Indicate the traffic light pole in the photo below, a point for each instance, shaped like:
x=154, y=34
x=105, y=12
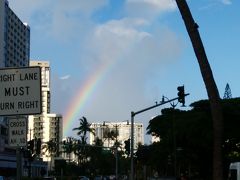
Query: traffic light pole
x=133, y=114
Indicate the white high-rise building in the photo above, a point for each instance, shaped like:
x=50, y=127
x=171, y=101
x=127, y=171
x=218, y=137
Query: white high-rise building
x=123, y=130
x=46, y=126
x=45, y=80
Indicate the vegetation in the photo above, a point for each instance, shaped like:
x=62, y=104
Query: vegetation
x=185, y=146
x=186, y=140
x=83, y=129
x=91, y=158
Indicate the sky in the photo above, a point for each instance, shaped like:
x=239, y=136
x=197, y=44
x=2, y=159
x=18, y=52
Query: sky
x=111, y=57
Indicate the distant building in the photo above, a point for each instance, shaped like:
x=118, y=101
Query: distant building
x=46, y=126
x=123, y=130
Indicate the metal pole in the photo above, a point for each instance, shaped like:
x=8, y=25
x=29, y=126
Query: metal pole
x=116, y=144
x=116, y=163
x=19, y=163
x=132, y=145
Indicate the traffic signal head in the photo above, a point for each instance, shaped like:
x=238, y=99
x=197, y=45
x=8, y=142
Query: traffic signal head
x=127, y=146
x=181, y=95
x=30, y=145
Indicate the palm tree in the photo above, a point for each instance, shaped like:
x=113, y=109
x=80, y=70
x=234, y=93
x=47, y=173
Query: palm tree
x=84, y=127
x=109, y=134
x=68, y=147
x=82, y=130
x=79, y=149
x=51, y=147
x=211, y=87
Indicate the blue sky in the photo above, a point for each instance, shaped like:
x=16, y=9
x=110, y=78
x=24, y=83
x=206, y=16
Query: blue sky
x=147, y=42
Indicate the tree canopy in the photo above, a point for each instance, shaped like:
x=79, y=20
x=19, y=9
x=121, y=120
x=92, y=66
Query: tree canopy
x=187, y=136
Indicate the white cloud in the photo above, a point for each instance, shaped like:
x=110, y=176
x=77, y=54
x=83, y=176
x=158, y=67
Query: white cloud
x=71, y=19
x=159, y=4
x=208, y=6
x=111, y=41
x=60, y=19
x=227, y=2
x=26, y=8
x=149, y=8
x=65, y=77
x=124, y=28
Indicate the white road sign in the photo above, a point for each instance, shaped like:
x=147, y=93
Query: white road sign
x=17, y=133
x=20, y=91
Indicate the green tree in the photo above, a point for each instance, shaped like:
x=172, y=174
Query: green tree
x=193, y=131
x=182, y=133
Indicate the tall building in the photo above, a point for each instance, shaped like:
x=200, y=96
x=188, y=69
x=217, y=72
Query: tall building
x=122, y=131
x=46, y=126
x=14, y=38
x=45, y=80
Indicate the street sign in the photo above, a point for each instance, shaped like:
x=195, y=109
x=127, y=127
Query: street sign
x=20, y=91
x=17, y=132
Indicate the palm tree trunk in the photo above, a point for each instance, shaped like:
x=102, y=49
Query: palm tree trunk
x=212, y=91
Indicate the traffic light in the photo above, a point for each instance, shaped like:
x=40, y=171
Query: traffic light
x=127, y=146
x=30, y=145
x=181, y=95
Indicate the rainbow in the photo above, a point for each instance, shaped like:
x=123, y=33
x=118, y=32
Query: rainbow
x=78, y=102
